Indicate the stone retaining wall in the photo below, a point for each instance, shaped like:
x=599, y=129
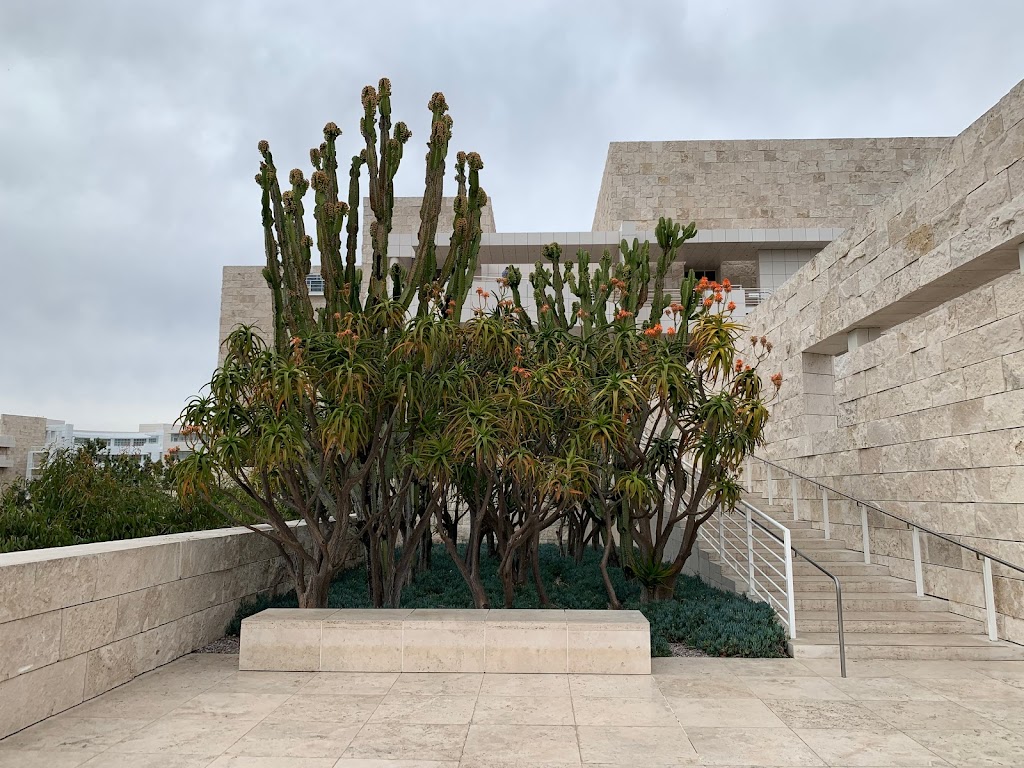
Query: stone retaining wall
x=902, y=350
x=78, y=621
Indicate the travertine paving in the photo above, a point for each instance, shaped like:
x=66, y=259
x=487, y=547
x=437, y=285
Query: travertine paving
x=200, y=712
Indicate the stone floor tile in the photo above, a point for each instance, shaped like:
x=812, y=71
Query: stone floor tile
x=751, y=747
x=525, y=685
x=120, y=760
x=990, y=690
x=524, y=710
x=769, y=668
x=927, y=715
x=694, y=666
x=591, y=710
x=725, y=713
x=350, y=683
x=186, y=735
x=125, y=703
x=973, y=747
x=356, y=762
x=1000, y=670
x=342, y=710
x=263, y=682
x=917, y=669
x=245, y=761
x=424, y=710
x=238, y=706
x=614, y=686
x=637, y=746
x=31, y=758
x=868, y=748
x=295, y=739
x=795, y=688
x=396, y=741
x=439, y=683
x=822, y=713
x=74, y=734
x=885, y=689
x=1008, y=715
x=524, y=744
x=706, y=687
x=855, y=668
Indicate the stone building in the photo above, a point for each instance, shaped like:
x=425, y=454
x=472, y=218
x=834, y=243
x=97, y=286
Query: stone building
x=887, y=273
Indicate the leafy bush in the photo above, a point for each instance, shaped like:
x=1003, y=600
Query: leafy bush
x=716, y=622
x=84, y=496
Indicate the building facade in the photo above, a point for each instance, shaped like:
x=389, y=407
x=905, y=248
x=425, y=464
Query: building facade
x=26, y=441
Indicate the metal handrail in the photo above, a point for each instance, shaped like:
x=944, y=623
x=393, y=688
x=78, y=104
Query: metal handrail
x=839, y=596
x=915, y=528
x=909, y=523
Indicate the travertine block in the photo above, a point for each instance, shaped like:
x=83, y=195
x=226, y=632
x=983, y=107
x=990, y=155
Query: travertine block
x=29, y=643
x=368, y=640
x=444, y=641
x=609, y=642
x=526, y=641
x=282, y=639
x=87, y=626
x=127, y=570
x=29, y=698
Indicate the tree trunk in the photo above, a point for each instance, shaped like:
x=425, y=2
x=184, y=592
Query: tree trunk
x=664, y=590
x=313, y=594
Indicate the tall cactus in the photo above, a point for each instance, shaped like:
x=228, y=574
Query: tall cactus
x=289, y=249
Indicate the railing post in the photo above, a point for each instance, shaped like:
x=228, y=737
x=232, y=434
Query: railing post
x=793, y=493
x=790, y=596
x=768, y=482
x=918, y=571
x=750, y=556
x=721, y=535
x=750, y=474
x=990, y=600
x=865, y=540
x=824, y=512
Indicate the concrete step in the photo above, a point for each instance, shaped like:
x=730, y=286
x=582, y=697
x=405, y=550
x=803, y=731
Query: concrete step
x=868, y=601
x=841, y=569
x=883, y=622
x=825, y=645
x=816, y=583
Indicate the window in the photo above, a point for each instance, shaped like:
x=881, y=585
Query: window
x=153, y=439
x=177, y=438
x=138, y=442
x=122, y=442
x=80, y=441
x=710, y=274
x=315, y=283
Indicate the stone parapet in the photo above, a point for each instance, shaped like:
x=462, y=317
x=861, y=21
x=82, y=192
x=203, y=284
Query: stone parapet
x=78, y=621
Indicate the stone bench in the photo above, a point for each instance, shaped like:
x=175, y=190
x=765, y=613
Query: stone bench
x=427, y=640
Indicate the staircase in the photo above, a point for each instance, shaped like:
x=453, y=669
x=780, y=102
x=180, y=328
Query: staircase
x=883, y=618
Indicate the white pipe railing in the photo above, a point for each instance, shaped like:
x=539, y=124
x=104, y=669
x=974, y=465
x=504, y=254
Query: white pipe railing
x=991, y=614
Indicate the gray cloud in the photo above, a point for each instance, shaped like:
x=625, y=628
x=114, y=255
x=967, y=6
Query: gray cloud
x=128, y=133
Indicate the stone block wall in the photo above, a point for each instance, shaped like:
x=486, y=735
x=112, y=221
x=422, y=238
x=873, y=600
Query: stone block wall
x=755, y=184
x=923, y=414
x=27, y=433
x=78, y=621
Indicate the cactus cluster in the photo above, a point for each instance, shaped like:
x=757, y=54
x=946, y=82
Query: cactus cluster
x=614, y=291
x=289, y=248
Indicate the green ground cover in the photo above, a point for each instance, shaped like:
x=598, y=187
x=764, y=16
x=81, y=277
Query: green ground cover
x=716, y=622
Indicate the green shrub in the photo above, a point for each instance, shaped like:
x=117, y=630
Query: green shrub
x=716, y=622
x=84, y=496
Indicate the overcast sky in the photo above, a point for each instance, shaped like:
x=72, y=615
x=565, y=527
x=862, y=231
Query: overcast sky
x=128, y=136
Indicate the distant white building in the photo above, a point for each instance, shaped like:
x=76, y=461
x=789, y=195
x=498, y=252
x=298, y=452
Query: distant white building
x=152, y=441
